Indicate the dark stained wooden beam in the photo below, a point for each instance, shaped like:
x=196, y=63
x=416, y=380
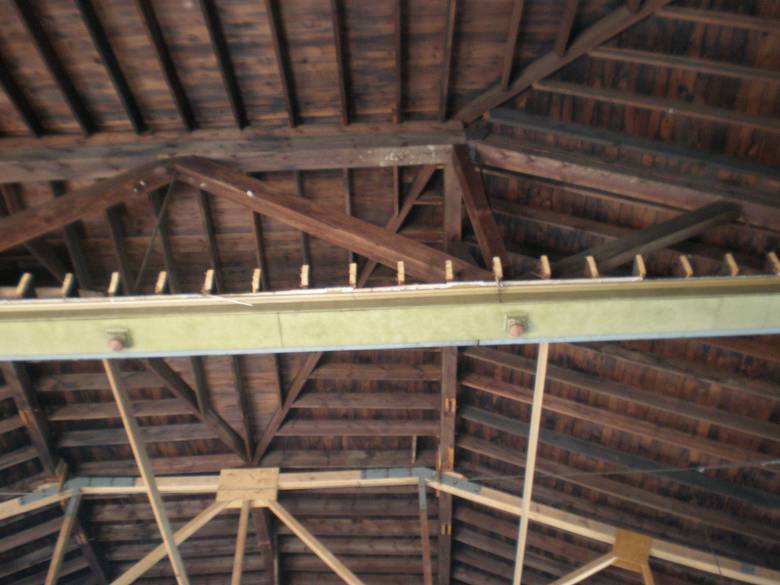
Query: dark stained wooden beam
x=364, y=146
x=685, y=63
x=396, y=222
x=453, y=208
x=565, y=25
x=510, y=46
x=660, y=104
x=170, y=73
x=445, y=459
x=346, y=179
x=262, y=262
x=609, y=389
x=363, y=400
x=39, y=220
x=342, y=63
x=722, y=488
x=657, y=237
x=623, y=179
x=282, y=59
x=300, y=191
x=398, y=60
x=157, y=199
x=51, y=60
x=10, y=204
x=209, y=229
x=268, y=542
x=76, y=252
x=634, y=5
x=225, y=63
x=103, y=45
x=330, y=225
x=296, y=386
x=116, y=230
x=478, y=208
x=711, y=163
x=597, y=34
x=723, y=18
x=179, y=388
x=30, y=411
x=19, y=100
x=448, y=42
x=358, y=428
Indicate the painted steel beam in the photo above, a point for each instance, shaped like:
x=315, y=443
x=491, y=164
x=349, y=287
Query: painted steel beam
x=396, y=317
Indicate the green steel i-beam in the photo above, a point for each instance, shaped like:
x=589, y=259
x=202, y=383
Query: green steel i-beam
x=397, y=317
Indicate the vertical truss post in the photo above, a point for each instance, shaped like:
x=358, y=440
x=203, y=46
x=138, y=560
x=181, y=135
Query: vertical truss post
x=145, y=468
x=446, y=456
x=425, y=536
x=530, y=463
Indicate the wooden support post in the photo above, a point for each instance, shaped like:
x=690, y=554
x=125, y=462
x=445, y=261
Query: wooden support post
x=587, y=570
x=314, y=544
x=238, y=558
x=445, y=459
x=267, y=540
x=425, y=537
x=530, y=464
x=145, y=469
x=69, y=521
x=158, y=553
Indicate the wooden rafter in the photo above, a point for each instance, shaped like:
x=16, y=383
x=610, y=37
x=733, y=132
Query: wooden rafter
x=448, y=41
x=267, y=540
x=510, y=47
x=239, y=553
x=336, y=227
x=38, y=248
x=179, y=388
x=722, y=18
x=224, y=62
x=76, y=252
x=565, y=26
x=170, y=73
x=282, y=59
x=661, y=104
x=478, y=208
x=51, y=60
x=116, y=230
x=19, y=100
x=657, y=237
x=144, y=467
x=598, y=33
x=398, y=61
x=342, y=64
x=585, y=571
x=103, y=45
x=364, y=146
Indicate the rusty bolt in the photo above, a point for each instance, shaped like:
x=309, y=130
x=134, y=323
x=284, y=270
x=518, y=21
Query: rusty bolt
x=517, y=329
x=116, y=344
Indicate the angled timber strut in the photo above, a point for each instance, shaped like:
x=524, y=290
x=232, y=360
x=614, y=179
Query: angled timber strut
x=336, y=227
x=611, y=25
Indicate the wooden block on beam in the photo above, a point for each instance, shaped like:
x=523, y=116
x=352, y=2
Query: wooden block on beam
x=545, y=270
x=640, y=269
x=591, y=269
x=685, y=268
x=208, y=282
x=353, y=274
x=729, y=266
x=305, y=276
x=259, y=486
x=772, y=263
x=401, y=273
x=115, y=285
x=25, y=289
x=257, y=280
x=448, y=273
x=632, y=549
x=161, y=286
x=498, y=269
x=68, y=286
